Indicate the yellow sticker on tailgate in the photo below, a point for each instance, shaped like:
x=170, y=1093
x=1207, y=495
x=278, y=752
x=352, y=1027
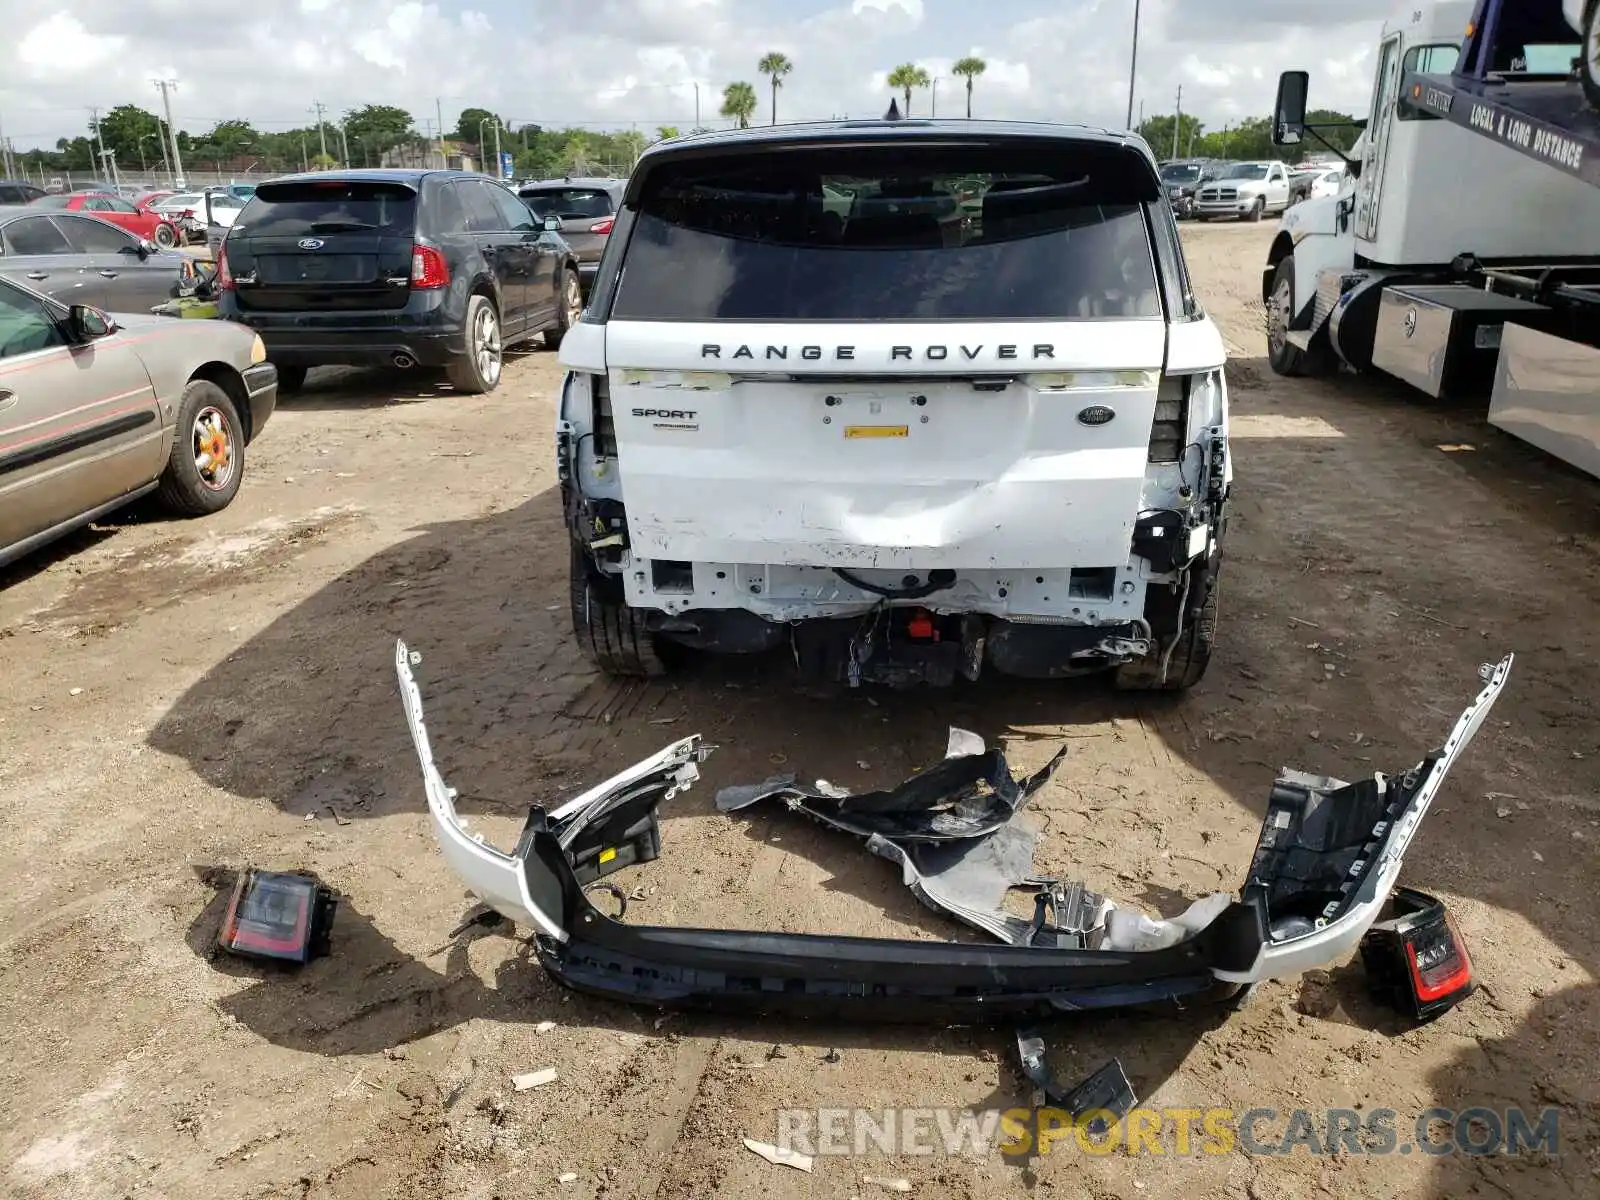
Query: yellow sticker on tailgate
x=877, y=431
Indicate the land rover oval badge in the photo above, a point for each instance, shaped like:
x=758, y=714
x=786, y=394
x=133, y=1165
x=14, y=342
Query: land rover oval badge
x=1096, y=414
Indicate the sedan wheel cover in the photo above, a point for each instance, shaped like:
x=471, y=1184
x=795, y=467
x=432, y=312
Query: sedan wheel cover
x=212, y=440
x=574, y=302
x=486, y=344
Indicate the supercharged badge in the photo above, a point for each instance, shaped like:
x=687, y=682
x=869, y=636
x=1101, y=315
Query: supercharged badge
x=670, y=418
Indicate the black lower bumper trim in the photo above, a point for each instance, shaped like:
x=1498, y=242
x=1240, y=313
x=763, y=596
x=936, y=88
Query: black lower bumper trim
x=883, y=979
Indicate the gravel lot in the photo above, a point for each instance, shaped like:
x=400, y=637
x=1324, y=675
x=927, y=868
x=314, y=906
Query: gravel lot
x=184, y=698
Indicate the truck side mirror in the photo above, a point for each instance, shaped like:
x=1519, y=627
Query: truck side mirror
x=1289, y=112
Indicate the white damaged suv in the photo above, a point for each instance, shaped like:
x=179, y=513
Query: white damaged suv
x=915, y=399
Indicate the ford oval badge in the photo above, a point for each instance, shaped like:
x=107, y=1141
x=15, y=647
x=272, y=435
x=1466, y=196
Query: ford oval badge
x=310, y=243
x=1096, y=414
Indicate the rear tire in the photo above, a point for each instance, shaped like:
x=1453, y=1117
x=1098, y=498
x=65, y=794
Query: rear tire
x=1190, y=657
x=208, y=431
x=476, y=369
x=610, y=633
x=166, y=236
x=1284, y=357
x=569, y=304
x=1589, y=68
x=291, y=379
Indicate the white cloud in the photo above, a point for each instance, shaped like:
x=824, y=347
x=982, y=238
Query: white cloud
x=637, y=61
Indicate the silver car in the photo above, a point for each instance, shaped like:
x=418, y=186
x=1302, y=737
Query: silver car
x=78, y=259
x=587, y=209
x=96, y=411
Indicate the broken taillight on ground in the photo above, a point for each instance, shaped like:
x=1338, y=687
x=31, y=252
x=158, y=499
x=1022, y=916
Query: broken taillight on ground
x=284, y=916
x=1417, y=960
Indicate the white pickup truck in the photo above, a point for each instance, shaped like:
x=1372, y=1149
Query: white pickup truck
x=1247, y=191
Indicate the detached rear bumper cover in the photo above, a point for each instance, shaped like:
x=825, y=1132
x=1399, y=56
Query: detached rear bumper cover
x=1328, y=857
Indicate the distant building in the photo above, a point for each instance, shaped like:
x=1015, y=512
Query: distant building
x=423, y=155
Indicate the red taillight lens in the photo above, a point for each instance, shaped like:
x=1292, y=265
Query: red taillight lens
x=428, y=268
x=1417, y=960
x=603, y=226
x=224, y=276
x=1440, y=965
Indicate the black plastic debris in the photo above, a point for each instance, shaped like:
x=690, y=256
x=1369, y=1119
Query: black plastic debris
x=1104, y=1098
x=282, y=916
x=963, y=796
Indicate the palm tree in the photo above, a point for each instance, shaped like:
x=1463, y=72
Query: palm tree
x=775, y=65
x=739, y=102
x=905, y=77
x=971, y=67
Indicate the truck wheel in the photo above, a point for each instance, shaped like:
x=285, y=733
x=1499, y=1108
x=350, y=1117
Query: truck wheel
x=1589, y=71
x=611, y=634
x=1285, y=357
x=1190, y=657
x=1257, y=210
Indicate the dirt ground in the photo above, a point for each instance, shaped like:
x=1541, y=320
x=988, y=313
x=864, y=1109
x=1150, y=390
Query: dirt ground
x=186, y=698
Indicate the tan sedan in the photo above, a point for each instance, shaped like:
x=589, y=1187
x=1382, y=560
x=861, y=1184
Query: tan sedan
x=96, y=411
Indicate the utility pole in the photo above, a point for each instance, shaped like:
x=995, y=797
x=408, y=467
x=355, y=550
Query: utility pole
x=438, y=111
x=1177, y=122
x=167, y=86
x=100, y=141
x=344, y=140
x=1133, y=66
x=499, y=167
x=305, y=159
x=322, y=131
x=166, y=159
x=5, y=149
x=697, y=105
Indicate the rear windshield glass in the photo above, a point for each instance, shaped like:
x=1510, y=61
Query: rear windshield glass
x=568, y=202
x=328, y=206
x=909, y=233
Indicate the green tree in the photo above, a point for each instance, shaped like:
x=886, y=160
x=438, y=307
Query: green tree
x=775, y=65
x=231, y=137
x=1157, y=131
x=467, y=125
x=739, y=103
x=905, y=77
x=376, y=128
x=121, y=128
x=663, y=132
x=969, y=68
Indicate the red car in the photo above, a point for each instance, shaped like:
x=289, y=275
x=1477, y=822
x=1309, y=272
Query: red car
x=115, y=209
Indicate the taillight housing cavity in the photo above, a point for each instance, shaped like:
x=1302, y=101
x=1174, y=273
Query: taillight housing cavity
x=603, y=226
x=1416, y=960
x=1184, y=402
x=224, y=273
x=603, y=421
x=428, y=268
x=1169, y=433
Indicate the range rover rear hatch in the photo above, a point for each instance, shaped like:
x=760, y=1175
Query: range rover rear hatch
x=897, y=353
x=1328, y=857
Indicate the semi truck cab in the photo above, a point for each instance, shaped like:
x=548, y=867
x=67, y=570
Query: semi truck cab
x=1471, y=208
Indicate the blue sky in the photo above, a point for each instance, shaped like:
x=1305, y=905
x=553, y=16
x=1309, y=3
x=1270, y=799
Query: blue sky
x=622, y=62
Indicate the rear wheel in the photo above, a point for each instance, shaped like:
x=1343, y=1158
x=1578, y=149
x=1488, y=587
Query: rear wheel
x=1285, y=357
x=166, y=236
x=569, y=306
x=1187, y=660
x=207, y=460
x=611, y=634
x=477, y=368
x=1589, y=70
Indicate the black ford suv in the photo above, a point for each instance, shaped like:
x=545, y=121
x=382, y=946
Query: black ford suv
x=396, y=268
